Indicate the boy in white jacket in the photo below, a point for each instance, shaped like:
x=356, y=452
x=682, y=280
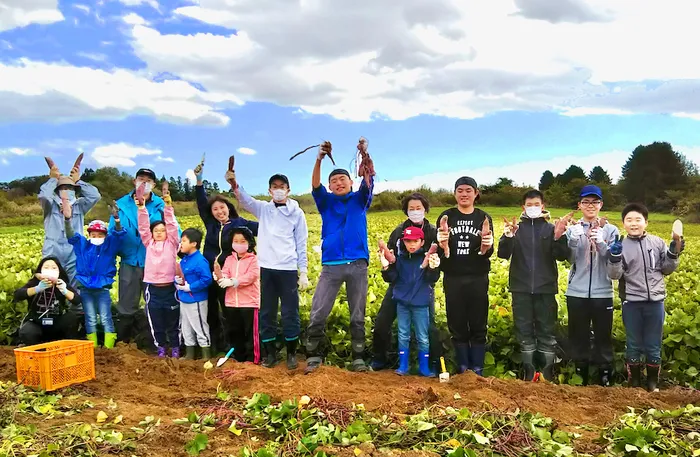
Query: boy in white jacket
x=282, y=237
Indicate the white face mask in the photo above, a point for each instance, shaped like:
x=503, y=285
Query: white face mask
x=279, y=195
x=50, y=274
x=416, y=216
x=97, y=241
x=533, y=212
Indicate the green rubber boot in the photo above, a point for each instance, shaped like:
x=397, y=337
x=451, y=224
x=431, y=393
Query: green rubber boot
x=92, y=337
x=110, y=340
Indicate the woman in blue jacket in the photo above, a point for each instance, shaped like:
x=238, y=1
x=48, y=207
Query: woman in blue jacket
x=220, y=218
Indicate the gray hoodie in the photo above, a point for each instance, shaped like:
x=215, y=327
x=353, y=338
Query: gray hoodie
x=588, y=277
x=645, y=261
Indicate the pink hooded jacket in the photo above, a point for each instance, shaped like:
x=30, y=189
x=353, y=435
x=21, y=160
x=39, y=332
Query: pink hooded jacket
x=247, y=271
x=161, y=256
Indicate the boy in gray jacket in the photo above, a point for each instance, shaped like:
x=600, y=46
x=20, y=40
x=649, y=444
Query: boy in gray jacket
x=640, y=262
x=589, y=295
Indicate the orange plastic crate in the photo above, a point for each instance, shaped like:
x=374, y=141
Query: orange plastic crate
x=55, y=365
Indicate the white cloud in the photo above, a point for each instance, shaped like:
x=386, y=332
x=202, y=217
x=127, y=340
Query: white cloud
x=134, y=19
x=21, y=13
x=247, y=151
x=5, y=161
x=60, y=92
x=525, y=173
x=121, y=154
x=15, y=151
x=165, y=159
x=152, y=3
x=191, y=176
x=445, y=58
x=83, y=8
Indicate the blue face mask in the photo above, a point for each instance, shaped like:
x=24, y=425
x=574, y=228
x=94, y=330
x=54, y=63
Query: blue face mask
x=71, y=195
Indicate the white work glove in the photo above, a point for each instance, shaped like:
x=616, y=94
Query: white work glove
x=442, y=236
x=508, y=231
x=487, y=240
x=433, y=261
x=227, y=282
x=183, y=288
x=178, y=280
x=303, y=282
x=576, y=231
x=383, y=260
x=62, y=287
x=599, y=236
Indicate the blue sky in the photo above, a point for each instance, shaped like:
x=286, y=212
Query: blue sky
x=504, y=88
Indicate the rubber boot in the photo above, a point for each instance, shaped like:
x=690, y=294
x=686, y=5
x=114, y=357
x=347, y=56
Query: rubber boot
x=92, y=337
x=461, y=357
x=548, y=369
x=161, y=352
x=270, y=354
x=175, y=352
x=424, y=365
x=313, y=356
x=605, y=375
x=653, y=371
x=528, y=365
x=292, y=363
x=206, y=352
x=634, y=373
x=477, y=353
x=402, y=370
x=358, y=354
x=110, y=340
x=189, y=352
x=582, y=370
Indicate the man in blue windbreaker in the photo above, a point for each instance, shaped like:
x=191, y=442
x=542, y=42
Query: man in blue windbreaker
x=345, y=258
x=133, y=253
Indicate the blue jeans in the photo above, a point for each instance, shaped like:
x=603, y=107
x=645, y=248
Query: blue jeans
x=644, y=325
x=420, y=318
x=97, y=301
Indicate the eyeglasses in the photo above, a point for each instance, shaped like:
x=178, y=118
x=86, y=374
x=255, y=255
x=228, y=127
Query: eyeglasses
x=590, y=203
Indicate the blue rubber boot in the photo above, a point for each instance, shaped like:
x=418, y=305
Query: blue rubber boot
x=462, y=357
x=477, y=353
x=403, y=362
x=424, y=365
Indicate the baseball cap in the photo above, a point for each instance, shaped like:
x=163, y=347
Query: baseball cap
x=97, y=226
x=339, y=171
x=279, y=177
x=413, y=233
x=147, y=172
x=591, y=190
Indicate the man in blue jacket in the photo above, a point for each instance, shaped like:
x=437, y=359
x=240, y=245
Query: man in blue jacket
x=133, y=253
x=345, y=257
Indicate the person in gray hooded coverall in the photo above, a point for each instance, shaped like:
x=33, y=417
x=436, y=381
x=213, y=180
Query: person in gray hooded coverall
x=55, y=241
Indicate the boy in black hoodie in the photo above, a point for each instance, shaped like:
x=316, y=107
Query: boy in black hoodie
x=534, y=245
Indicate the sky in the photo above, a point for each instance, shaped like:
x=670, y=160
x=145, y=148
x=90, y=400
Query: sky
x=441, y=89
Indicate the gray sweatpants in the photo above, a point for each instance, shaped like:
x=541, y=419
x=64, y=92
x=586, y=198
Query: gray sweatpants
x=130, y=289
x=193, y=324
x=354, y=275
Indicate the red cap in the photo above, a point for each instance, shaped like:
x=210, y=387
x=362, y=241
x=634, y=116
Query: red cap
x=413, y=233
x=97, y=226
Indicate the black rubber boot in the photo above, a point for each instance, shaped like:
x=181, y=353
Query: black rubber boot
x=477, y=353
x=358, y=357
x=206, y=352
x=548, y=369
x=528, y=365
x=653, y=377
x=270, y=354
x=582, y=370
x=292, y=363
x=634, y=373
x=462, y=357
x=605, y=376
x=190, y=352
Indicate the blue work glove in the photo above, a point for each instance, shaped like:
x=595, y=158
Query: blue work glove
x=42, y=286
x=616, y=249
x=673, y=247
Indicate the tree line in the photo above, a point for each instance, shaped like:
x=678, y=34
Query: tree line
x=654, y=174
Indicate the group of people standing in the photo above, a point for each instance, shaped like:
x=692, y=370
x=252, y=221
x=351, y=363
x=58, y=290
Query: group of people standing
x=229, y=297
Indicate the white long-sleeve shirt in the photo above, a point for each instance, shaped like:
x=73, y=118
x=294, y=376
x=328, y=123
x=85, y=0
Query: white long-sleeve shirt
x=282, y=234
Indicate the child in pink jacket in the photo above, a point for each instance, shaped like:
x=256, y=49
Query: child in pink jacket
x=162, y=242
x=241, y=279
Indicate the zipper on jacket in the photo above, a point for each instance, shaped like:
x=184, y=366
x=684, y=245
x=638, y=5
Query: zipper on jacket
x=221, y=249
x=237, y=264
x=590, y=273
x=533, y=256
x=646, y=279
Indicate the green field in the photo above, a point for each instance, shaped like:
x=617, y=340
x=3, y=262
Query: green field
x=21, y=250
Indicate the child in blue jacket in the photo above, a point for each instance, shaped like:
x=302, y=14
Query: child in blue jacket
x=413, y=276
x=96, y=267
x=193, y=294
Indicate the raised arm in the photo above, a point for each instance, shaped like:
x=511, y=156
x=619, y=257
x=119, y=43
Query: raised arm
x=253, y=206
x=89, y=196
x=171, y=227
x=144, y=226
x=202, y=203
x=46, y=194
